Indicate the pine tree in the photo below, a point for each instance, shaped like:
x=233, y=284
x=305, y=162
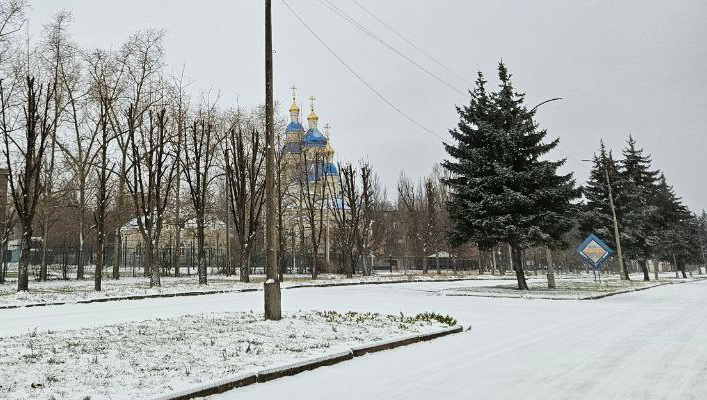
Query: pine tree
x=640, y=186
x=596, y=215
x=502, y=189
x=678, y=239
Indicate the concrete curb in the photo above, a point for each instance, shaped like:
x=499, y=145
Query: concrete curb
x=595, y=297
x=269, y=374
x=185, y=294
x=659, y=283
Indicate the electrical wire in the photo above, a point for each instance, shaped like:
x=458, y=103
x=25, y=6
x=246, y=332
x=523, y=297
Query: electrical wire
x=411, y=43
x=359, y=77
x=338, y=11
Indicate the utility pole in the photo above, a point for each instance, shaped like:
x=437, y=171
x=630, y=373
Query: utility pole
x=273, y=303
x=622, y=272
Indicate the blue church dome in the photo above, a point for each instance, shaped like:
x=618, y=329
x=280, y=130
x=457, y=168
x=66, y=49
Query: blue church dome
x=330, y=170
x=294, y=126
x=314, y=138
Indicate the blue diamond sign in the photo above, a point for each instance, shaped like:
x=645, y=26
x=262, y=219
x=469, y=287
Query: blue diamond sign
x=594, y=251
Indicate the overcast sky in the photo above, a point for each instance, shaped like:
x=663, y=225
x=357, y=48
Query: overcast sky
x=636, y=67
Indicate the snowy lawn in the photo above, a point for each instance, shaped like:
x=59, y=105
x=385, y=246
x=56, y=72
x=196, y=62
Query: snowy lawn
x=566, y=289
x=60, y=291
x=141, y=359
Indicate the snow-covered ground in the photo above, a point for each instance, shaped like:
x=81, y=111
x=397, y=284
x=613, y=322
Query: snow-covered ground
x=641, y=345
x=136, y=360
x=61, y=291
x=565, y=288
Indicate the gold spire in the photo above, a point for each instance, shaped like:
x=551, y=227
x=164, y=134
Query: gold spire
x=293, y=107
x=312, y=115
x=328, y=150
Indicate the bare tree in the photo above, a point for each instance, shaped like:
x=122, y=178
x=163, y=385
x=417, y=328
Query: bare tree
x=198, y=162
x=104, y=169
x=80, y=149
x=26, y=187
x=410, y=201
x=136, y=80
x=430, y=236
x=151, y=171
x=57, y=54
x=179, y=110
x=8, y=219
x=247, y=187
x=345, y=207
x=312, y=187
x=105, y=75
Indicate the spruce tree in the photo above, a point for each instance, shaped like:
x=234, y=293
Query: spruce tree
x=640, y=186
x=595, y=215
x=678, y=239
x=502, y=187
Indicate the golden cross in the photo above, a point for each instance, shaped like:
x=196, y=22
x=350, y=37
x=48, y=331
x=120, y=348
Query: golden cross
x=294, y=91
x=311, y=102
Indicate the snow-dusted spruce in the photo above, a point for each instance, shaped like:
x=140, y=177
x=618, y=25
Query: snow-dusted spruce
x=503, y=188
x=595, y=215
x=142, y=359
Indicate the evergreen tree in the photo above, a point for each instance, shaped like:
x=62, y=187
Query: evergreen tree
x=678, y=238
x=595, y=215
x=638, y=238
x=502, y=189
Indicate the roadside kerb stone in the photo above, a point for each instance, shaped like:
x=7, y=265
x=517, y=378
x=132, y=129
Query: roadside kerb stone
x=269, y=374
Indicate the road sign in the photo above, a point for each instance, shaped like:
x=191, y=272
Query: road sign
x=594, y=251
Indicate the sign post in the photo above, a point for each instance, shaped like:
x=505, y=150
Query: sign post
x=595, y=253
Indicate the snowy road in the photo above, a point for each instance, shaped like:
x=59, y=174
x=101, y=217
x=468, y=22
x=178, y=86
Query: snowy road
x=645, y=345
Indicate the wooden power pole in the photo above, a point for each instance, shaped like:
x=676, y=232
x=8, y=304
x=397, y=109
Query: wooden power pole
x=273, y=306
x=622, y=272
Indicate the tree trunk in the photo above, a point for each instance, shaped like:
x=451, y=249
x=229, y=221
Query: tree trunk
x=117, y=251
x=655, y=268
x=152, y=264
x=493, y=261
x=45, y=232
x=201, y=252
x=315, y=273
x=439, y=271
x=244, y=256
x=518, y=267
x=98, y=274
x=23, y=267
x=550, y=270
x=424, y=262
x=644, y=268
x=625, y=271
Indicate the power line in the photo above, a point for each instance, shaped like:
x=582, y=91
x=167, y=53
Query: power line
x=359, y=77
x=411, y=43
x=338, y=11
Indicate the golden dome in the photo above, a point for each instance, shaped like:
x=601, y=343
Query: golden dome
x=312, y=116
x=293, y=107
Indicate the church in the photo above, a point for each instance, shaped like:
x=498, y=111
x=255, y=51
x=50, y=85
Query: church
x=312, y=190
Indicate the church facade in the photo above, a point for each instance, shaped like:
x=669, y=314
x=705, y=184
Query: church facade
x=312, y=189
